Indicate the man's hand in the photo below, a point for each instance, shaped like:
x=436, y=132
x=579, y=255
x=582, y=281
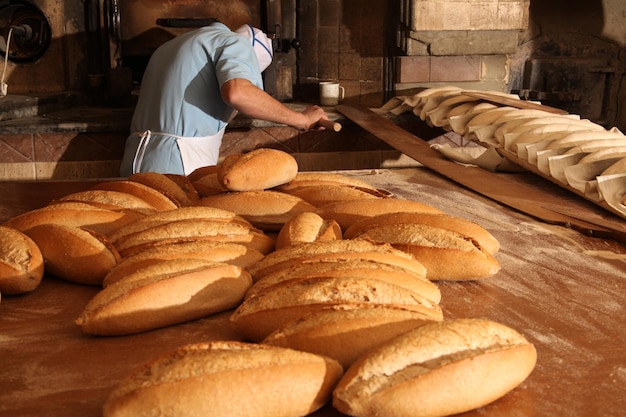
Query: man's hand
x=313, y=115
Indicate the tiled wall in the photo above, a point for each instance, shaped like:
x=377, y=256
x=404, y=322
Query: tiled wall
x=344, y=40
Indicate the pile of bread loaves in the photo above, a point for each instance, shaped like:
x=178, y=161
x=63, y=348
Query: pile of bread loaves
x=576, y=153
x=331, y=283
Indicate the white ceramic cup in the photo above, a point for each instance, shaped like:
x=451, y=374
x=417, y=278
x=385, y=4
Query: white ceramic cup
x=331, y=93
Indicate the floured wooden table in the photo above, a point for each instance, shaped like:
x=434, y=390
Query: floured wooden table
x=565, y=291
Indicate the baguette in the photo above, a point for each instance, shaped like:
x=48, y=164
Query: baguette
x=267, y=210
x=232, y=253
x=21, y=262
x=437, y=369
x=172, y=292
x=271, y=309
x=226, y=378
x=165, y=185
x=348, y=212
x=345, y=332
x=335, y=250
x=153, y=197
x=183, y=213
x=74, y=254
x=257, y=170
x=194, y=229
x=186, y=185
x=355, y=267
x=323, y=195
x=111, y=200
x=447, y=255
x=304, y=179
x=307, y=227
x=439, y=220
x=74, y=214
x=208, y=184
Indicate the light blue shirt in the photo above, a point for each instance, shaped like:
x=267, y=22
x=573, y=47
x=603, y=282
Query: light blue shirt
x=181, y=94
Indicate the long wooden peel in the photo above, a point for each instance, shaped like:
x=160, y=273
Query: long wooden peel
x=524, y=198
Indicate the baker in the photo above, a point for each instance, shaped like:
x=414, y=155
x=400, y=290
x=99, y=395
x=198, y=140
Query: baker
x=193, y=86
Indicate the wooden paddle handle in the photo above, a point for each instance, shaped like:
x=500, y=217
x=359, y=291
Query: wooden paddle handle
x=329, y=124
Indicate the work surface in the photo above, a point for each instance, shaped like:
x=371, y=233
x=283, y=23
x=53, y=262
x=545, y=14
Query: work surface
x=566, y=292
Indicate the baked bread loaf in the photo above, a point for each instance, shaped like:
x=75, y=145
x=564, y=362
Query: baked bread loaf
x=437, y=369
x=171, y=292
x=257, y=170
x=447, y=255
x=165, y=185
x=271, y=309
x=232, y=253
x=439, y=220
x=305, y=179
x=194, y=229
x=111, y=200
x=348, y=212
x=21, y=262
x=74, y=254
x=355, y=267
x=206, y=182
x=226, y=378
x=183, y=213
x=307, y=227
x=186, y=185
x=323, y=195
x=345, y=332
x=100, y=220
x=266, y=209
x=151, y=196
x=335, y=250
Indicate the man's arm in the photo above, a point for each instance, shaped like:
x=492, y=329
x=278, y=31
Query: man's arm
x=250, y=100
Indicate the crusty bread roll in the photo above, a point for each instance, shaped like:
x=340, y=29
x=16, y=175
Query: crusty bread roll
x=439, y=220
x=183, y=213
x=271, y=309
x=75, y=214
x=348, y=212
x=232, y=253
x=21, y=262
x=335, y=250
x=354, y=267
x=267, y=210
x=323, y=194
x=437, y=369
x=194, y=229
x=226, y=378
x=186, y=185
x=153, y=197
x=205, y=181
x=111, y=200
x=447, y=255
x=304, y=179
x=307, y=227
x=256, y=170
x=346, y=331
x=171, y=292
x=165, y=185
x=74, y=254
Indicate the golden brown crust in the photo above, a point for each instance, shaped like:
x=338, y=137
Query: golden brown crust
x=304, y=179
x=153, y=197
x=370, y=269
x=164, y=185
x=447, y=255
x=348, y=212
x=172, y=292
x=259, y=169
x=437, y=369
x=209, y=379
x=267, y=210
x=335, y=250
x=439, y=220
x=324, y=194
x=232, y=253
x=307, y=227
x=75, y=254
x=110, y=199
x=21, y=262
x=268, y=310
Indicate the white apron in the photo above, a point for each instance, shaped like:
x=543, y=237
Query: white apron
x=195, y=152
